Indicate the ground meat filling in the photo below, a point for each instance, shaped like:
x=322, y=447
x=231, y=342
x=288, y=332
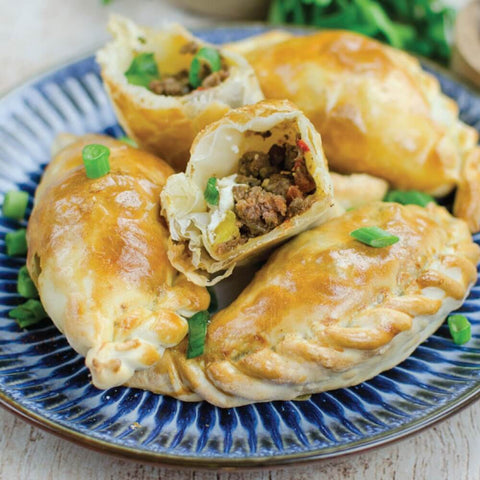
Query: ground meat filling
x=275, y=186
x=178, y=84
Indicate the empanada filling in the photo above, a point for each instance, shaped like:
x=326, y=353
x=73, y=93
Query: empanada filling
x=269, y=188
x=204, y=68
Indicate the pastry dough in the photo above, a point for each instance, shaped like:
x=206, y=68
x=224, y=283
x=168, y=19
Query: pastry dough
x=378, y=112
x=167, y=125
x=327, y=311
x=198, y=247
x=352, y=191
x=97, y=254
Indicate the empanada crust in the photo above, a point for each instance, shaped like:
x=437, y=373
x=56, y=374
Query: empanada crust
x=327, y=311
x=167, y=125
x=98, y=255
x=378, y=112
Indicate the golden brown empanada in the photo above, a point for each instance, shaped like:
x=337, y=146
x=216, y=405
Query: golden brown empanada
x=378, y=112
x=271, y=182
x=97, y=252
x=327, y=311
x=167, y=124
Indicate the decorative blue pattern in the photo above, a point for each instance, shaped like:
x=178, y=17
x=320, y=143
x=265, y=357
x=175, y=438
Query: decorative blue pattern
x=42, y=377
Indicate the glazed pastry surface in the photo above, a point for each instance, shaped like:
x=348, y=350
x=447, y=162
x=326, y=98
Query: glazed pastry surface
x=97, y=252
x=327, y=311
x=378, y=112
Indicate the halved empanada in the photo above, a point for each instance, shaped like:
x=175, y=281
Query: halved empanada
x=327, y=311
x=166, y=123
x=97, y=252
x=378, y=112
x=265, y=167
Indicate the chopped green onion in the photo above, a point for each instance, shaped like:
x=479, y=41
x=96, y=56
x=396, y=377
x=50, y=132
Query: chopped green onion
x=128, y=141
x=15, y=204
x=374, y=237
x=25, y=286
x=211, y=194
x=409, y=197
x=197, y=330
x=207, y=55
x=28, y=313
x=95, y=159
x=142, y=70
x=16, y=242
x=213, y=307
x=460, y=329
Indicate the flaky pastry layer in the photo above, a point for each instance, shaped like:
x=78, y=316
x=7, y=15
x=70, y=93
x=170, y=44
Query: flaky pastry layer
x=216, y=152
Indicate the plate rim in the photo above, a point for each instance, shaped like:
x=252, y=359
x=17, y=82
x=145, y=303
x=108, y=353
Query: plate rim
x=189, y=462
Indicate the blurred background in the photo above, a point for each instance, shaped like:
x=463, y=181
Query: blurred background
x=44, y=33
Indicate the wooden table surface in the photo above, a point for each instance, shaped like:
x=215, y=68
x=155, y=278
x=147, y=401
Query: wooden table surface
x=39, y=34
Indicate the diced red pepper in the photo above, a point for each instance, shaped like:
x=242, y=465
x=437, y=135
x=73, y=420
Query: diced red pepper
x=303, y=146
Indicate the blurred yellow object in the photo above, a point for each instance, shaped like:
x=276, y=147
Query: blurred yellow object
x=466, y=49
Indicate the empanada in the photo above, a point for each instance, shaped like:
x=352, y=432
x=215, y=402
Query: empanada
x=166, y=122
x=265, y=166
x=97, y=252
x=327, y=311
x=378, y=112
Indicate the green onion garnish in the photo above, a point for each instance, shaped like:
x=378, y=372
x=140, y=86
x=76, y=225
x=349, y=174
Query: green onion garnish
x=197, y=330
x=409, y=197
x=28, y=313
x=95, y=159
x=374, y=237
x=460, y=329
x=142, y=70
x=211, y=194
x=15, y=204
x=213, y=307
x=16, y=242
x=128, y=141
x=206, y=55
x=25, y=286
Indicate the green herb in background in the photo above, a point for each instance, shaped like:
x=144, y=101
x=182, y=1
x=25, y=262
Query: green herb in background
x=418, y=26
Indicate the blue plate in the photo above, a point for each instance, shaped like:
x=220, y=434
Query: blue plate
x=45, y=381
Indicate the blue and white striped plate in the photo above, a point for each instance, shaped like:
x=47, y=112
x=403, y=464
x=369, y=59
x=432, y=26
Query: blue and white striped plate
x=45, y=381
